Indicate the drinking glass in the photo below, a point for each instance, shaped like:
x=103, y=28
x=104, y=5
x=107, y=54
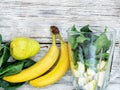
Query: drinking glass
x=91, y=54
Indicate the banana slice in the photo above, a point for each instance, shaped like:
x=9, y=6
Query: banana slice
x=102, y=65
x=82, y=81
x=100, y=77
x=91, y=85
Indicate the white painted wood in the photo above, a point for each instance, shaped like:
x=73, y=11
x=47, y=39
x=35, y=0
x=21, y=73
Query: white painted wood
x=32, y=18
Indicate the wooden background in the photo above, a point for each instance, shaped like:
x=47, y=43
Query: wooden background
x=32, y=18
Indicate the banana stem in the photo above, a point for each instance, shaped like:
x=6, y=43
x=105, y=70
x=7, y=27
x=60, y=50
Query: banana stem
x=61, y=40
x=53, y=39
x=56, y=32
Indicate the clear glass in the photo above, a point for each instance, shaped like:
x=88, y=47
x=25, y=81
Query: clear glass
x=91, y=56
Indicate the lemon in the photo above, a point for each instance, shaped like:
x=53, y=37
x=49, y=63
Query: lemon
x=22, y=48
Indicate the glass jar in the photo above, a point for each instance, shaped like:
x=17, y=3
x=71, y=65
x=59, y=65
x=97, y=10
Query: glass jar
x=91, y=52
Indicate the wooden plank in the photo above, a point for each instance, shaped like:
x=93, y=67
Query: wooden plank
x=32, y=18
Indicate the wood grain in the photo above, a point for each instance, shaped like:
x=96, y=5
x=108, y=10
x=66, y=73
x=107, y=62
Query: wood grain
x=32, y=18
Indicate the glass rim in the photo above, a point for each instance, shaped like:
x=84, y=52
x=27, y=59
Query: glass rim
x=99, y=32
x=94, y=30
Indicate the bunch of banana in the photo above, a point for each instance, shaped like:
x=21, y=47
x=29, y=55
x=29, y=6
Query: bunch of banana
x=36, y=72
x=39, y=68
x=59, y=70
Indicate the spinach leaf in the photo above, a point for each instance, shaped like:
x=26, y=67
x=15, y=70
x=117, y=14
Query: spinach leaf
x=72, y=38
x=11, y=69
x=75, y=56
x=73, y=43
x=85, y=29
x=91, y=63
x=102, y=43
x=86, y=49
x=73, y=29
x=81, y=38
x=86, y=46
x=89, y=51
x=1, y=50
x=15, y=67
x=28, y=62
x=80, y=54
x=5, y=65
x=9, y=86
x=0, y=39
x=76, y=41
x=103, y=56
x=5, y=54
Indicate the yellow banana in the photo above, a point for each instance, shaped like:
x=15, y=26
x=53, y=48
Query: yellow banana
x=71, y=58
x=58, y=71
x=43, y=65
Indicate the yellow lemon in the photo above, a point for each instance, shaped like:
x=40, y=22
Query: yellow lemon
x=22, y=48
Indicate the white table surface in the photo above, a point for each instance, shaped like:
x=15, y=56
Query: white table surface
x=32, y=18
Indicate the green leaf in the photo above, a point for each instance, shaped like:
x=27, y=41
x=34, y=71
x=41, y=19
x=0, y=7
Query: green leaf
x=11, y=69
x=73, y=28
x=105, y=29
x=0, y=39
x=89, y=55
x=80, y=54
x=72, y=40
x=85, y=29
x=89, y=51
x=91, y=63
x=3, y=83
x=85, y=48
x=9, y=86
x=1, y=50
x=5, y=65
x=75, y=65
x=102, y=43
x=28, y=62
x=75, y=56
x=81, y=39
x=103, y=56
x=5, y=55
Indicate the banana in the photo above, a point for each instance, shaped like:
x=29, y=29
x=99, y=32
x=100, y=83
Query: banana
x=43, y=65
x=57, y=72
